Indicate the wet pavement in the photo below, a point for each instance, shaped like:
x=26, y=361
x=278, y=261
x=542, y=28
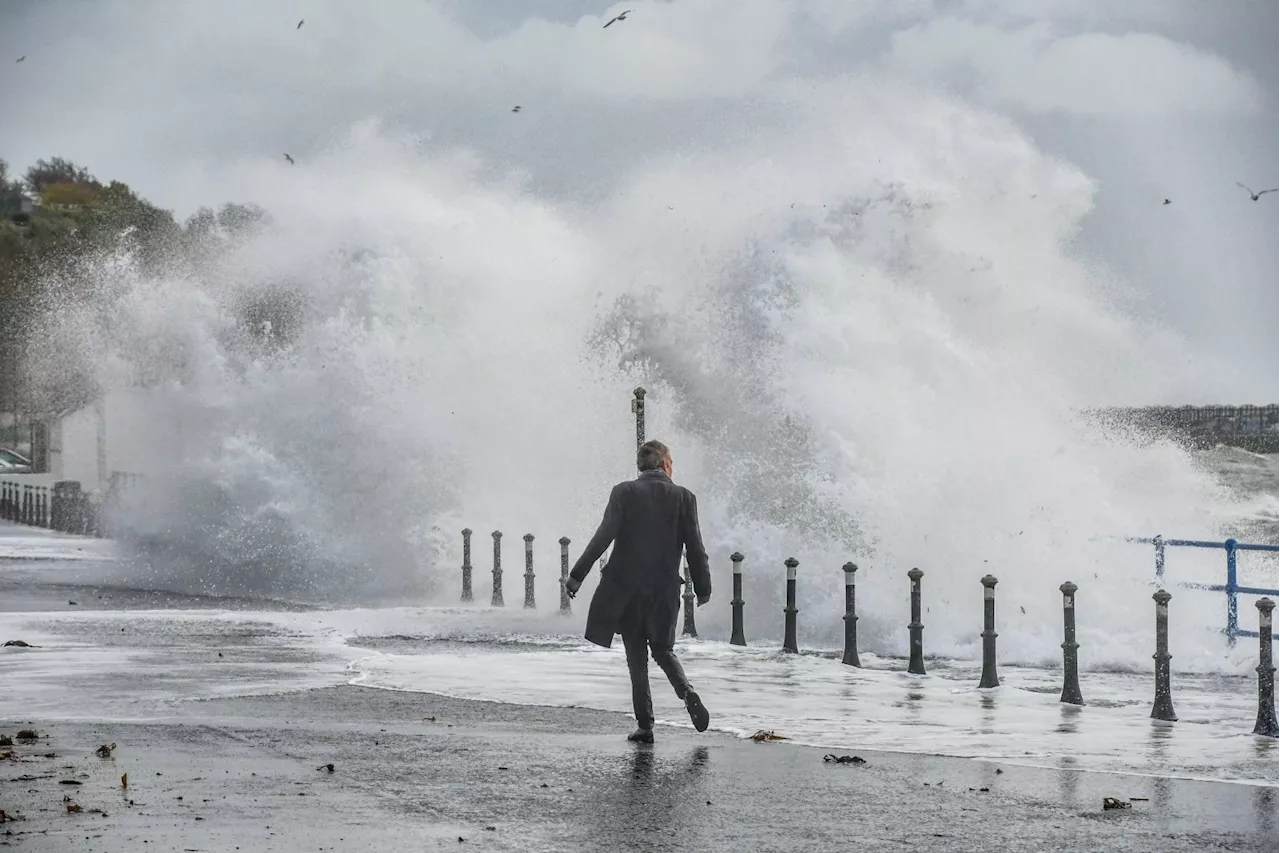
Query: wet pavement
x=225, y=723
x=246, y=773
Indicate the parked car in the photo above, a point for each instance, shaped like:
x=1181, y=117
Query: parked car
x=13, y=462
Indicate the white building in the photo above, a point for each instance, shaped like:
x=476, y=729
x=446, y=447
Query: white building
x=123, y=431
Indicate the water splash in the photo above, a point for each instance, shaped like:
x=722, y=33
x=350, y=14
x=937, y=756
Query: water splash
x=866, y=339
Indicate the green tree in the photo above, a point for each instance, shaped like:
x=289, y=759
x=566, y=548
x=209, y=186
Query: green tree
x=56, y=170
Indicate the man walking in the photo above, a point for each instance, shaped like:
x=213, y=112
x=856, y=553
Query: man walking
x=649, y=520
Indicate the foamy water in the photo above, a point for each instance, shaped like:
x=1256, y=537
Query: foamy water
x=132, y=665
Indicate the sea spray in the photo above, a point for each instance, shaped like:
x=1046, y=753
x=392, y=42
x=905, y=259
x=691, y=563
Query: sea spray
x=866, y=337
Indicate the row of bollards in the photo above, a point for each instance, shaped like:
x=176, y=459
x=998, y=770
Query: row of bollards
x=1162, y=708
x=530, y=602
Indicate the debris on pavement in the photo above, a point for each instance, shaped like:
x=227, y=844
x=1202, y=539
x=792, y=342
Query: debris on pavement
x=767, y=735
x=1114, y=803
x=105, y=750
x=844, y=759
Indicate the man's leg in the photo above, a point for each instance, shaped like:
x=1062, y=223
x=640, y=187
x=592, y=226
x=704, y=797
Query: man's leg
x=633, y=641
x=665, y=657
x=662, y=638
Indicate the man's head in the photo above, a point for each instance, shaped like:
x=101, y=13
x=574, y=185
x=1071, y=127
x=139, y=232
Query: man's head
x=654, y=456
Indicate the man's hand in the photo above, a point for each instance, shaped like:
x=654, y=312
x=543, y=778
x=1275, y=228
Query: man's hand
x=571, y=587
x=703, y=599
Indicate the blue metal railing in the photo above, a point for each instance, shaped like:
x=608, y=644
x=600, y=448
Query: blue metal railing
x=1232, y=587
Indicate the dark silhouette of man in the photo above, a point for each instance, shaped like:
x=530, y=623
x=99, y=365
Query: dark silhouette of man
x=649, y=520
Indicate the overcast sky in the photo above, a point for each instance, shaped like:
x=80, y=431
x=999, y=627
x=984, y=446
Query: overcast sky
x=1153, y=99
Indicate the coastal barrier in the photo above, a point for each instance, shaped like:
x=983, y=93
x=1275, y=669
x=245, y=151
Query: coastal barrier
x=1162, y=708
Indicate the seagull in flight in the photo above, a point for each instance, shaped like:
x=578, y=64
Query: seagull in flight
x=300, y=23
x=516, y=108
x=1167, y=201
x=290, y=159
x=619, y=17
x=1253, y=195
x=22, y=58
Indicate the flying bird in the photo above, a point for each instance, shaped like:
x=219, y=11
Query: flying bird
x=1253, y=195
x=22, y=58
x=620, y=17
x=516, y=108
x=300, y=23
x=290, y=159
x=1166, y=201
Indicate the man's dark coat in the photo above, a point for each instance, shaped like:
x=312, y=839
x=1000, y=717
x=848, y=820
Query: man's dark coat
x=649, y=520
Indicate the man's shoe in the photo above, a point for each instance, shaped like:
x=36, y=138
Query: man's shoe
x=641, y=736
x=697, y=711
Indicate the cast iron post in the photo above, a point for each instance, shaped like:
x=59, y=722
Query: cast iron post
x=989, y=677
x=1266, y=724
x=737, y=637
x=789, y=637
x=916, y=628
x=565, y=606
x=466, y=564
x=690, y=627
x=529, y=603
x=1162, y=709
x=850, y=618
x=1070, y=648
x=637, y=406
x=497, y=569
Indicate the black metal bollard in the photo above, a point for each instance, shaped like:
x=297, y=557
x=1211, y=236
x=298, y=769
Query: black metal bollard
x=850, y=618
x=637, y=406
x=529, y=603
x=989, y=677
x=497, y=569
x=690, y=626
x=1162, y=709
x=789, y=636
x=467, y=594
x=1266, y=725
x=565, y=606
x=915, y=665
x=737, y=637
x=1070, y=648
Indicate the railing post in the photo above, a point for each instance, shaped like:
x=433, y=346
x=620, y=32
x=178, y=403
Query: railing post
x=1070, y=648
x=989, y=677
x=26, y=504
x=1266, y=725
x=637, y=406
x=1159, y=543
x=690, y=627
x=1162, y=709
x=529, y=602
x=497, y=569
x=1233, y=616
x=916, y=628
x=789, y=643
x=565, y=606
x=850, y=618
x=467, y=594
x=4, y=500
x=737, y=637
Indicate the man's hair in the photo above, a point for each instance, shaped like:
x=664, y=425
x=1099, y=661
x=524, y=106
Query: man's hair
x=651, y=455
